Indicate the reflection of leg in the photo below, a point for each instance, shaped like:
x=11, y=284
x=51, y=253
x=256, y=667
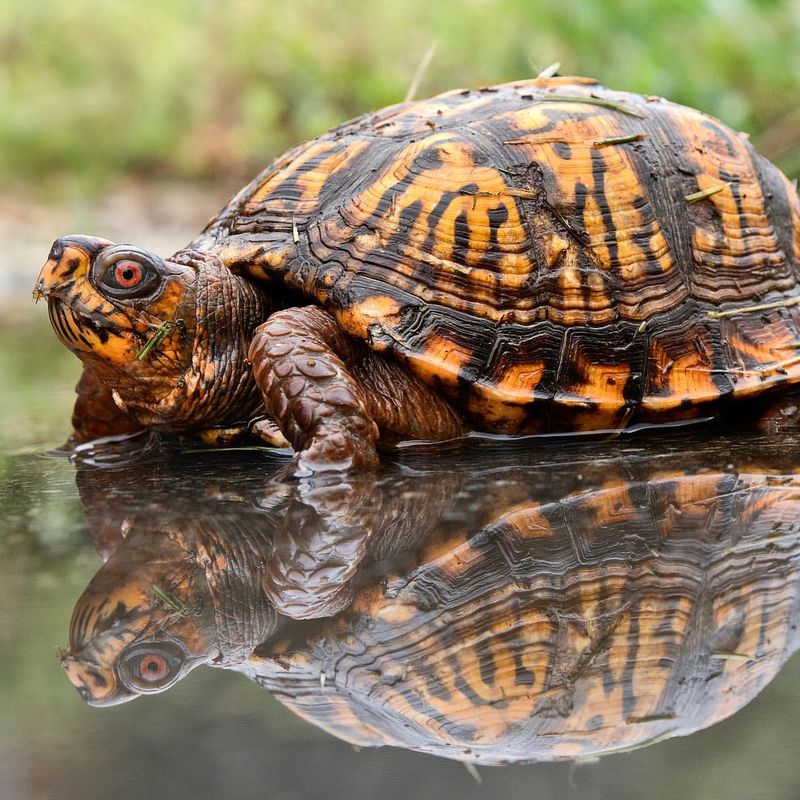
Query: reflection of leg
x=319, y=548
x=96, y=414
x=337, y=534
x=333, y=397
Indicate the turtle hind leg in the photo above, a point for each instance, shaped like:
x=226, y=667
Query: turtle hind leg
x=334, y=398
x=95, y=414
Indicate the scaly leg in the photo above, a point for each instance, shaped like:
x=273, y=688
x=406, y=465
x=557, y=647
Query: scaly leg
x=333, y=397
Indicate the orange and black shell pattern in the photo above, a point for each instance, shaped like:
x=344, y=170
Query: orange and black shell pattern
x=549, y=254
x=476, y=608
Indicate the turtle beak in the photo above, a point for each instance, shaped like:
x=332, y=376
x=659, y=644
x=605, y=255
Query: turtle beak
x=70, y=259
x=97, y=685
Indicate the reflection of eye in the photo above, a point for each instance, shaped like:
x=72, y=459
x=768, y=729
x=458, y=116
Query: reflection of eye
x=126, y=272
x=151, y=666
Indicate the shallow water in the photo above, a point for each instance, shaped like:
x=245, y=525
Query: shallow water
x=594, y=600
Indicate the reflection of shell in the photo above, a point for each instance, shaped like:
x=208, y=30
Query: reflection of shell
x=603, y=621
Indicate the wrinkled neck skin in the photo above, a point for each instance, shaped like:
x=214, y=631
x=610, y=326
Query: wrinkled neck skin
x=209, y=382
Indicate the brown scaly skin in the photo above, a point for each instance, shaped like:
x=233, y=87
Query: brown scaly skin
x=333, y=397
x=96, y=415
x=543, y=256
x=200, y=373
x=197, y=376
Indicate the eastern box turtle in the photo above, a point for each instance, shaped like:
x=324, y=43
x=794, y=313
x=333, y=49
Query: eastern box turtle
x=541, y=256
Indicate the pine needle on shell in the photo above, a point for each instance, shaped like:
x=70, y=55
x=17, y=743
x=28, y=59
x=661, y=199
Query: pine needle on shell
x=593, y=101
x=696, y=196
x=634, y=137
x=729, y=312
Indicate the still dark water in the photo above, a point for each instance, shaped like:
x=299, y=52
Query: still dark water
x=622, y=612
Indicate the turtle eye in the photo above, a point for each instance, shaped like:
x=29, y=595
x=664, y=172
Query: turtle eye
x=151, y=667
x=128, y=274
x=124, y=272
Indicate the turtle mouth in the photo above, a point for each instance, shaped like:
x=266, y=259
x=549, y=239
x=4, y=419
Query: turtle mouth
x=72, y=325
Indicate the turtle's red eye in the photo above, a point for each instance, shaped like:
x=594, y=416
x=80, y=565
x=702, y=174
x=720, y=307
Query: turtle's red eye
x=153, y=667
x=128, y=274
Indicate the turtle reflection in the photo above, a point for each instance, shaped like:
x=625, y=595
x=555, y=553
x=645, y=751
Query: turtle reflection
x=487, y=612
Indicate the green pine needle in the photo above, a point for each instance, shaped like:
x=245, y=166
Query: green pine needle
x=160, y=333
x=594, y=101
x=693, y=198
x=634, y=137
x=170, y=600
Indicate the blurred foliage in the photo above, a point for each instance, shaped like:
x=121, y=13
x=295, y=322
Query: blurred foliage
x=93, y=89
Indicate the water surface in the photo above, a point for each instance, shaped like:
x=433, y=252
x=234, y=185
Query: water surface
x=529, y=603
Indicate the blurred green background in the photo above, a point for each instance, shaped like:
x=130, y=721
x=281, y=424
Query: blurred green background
x=95, y=89
x=136, y=119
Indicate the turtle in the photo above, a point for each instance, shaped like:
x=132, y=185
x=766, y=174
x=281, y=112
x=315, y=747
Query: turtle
x=489, y=612
x=536, y=257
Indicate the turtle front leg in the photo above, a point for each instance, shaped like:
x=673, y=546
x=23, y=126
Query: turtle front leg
x=95, y=414
x=334, y=398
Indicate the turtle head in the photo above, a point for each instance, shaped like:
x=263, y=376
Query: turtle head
x=164, y=335
x=139, y=627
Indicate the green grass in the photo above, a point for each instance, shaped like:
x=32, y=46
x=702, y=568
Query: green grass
x=94, y=89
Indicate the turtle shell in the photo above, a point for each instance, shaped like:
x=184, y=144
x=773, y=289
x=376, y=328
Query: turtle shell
x=547, y=253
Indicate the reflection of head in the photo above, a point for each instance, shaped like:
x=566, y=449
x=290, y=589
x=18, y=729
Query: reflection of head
x=197, y=571
x=151, y=329
x=504, y=615
x=155, y=611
